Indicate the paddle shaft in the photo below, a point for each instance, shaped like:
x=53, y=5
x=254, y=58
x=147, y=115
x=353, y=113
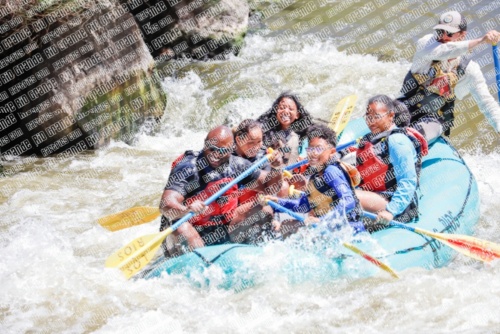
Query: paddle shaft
x=281, y=208
x=292, y=214
x=353, y=248
x=303, y=162
x=146, y=248
x=397, y=224
x=475, y=248
x=496, y=60
x=212, y=198
x=393, y=223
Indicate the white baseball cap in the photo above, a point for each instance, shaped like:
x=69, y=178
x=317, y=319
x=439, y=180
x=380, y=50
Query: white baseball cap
x=452, y=22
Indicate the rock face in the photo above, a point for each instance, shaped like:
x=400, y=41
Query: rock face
x=198, y=29
x=73, y=76
x=75, y=73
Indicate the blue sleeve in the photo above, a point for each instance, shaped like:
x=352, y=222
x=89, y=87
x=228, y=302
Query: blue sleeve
x=296, y=205
x=403, y=156
x=336, y=179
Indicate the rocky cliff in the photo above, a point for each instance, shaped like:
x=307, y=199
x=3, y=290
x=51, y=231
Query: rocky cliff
x=74, y=74
x=199, y=29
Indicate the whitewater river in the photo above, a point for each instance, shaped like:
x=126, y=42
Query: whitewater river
x=52, y=273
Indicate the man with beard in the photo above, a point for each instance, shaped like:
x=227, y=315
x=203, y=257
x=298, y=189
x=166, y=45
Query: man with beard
x=441, y=72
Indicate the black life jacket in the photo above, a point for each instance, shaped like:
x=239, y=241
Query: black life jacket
x=288, y=138
x=322, y=198
x=433, y=94
x=377, y=172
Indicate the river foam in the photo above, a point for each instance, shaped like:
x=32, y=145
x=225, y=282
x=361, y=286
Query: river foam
x=53, y=251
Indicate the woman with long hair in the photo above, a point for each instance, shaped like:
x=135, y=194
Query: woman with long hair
x=285, y=124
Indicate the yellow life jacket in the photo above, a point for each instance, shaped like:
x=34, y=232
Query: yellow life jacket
x=322, y=198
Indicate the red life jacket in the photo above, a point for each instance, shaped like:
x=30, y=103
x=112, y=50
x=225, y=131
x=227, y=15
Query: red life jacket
x=176, y=161
x=218, y=211
x=246, y=195
x=372, y=159
x=301, y=169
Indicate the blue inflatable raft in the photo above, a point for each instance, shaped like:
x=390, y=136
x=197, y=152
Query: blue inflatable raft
x=448, y=203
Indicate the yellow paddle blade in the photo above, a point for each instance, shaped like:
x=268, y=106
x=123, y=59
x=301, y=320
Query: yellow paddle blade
x=118, y=257
x=292, y=192
x=475, y=248
x=342, y=113
x=370, y=258
x=131, y=258
x=132, y=217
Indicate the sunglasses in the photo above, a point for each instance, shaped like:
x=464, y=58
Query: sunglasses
x=441, y=32
x=374, y=117
x=316, y=149
x=220, y=150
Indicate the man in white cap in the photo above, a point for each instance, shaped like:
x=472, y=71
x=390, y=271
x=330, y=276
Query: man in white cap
x=441, y=72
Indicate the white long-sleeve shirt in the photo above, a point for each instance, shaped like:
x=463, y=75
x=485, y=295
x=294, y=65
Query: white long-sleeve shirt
x=473, y=81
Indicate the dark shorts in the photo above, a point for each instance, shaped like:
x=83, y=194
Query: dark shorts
x=431, y=128
x=211, y=235
x=253, y=231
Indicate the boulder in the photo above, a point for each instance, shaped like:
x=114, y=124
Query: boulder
x=197, y=29
x=73, y=75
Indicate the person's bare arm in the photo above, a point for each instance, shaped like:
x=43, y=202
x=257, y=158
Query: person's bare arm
x=491, y=37
x=172, y=207
x=268, y=182
x=241, y=212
